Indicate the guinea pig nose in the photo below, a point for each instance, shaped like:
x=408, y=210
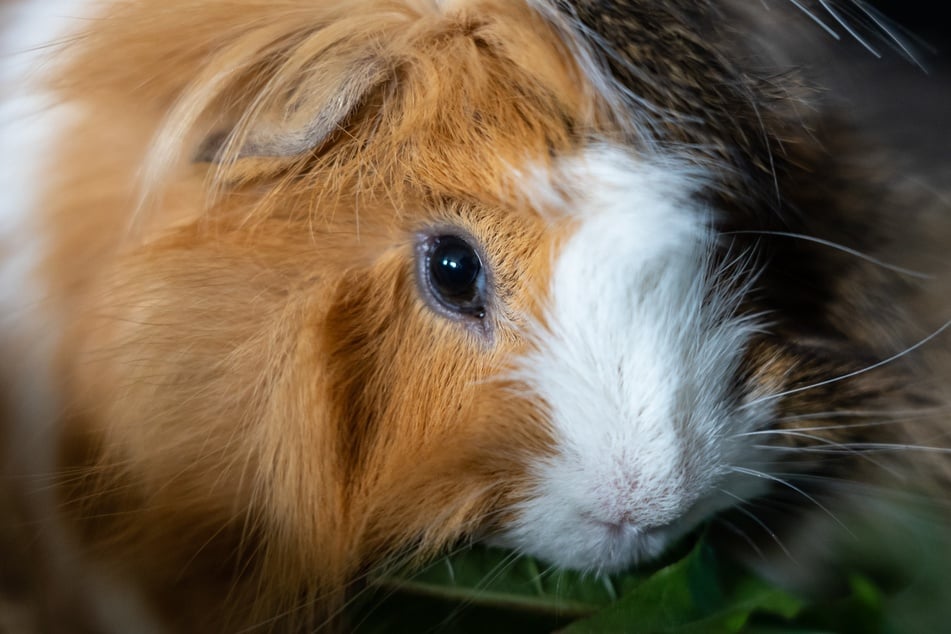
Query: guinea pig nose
x=619, y=523
x=617, y=495
x=615, y=525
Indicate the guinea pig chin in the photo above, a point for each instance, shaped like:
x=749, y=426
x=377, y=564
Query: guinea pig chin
x=637, y=361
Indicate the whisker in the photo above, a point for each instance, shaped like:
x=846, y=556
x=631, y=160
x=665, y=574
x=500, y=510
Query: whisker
x=500, y=569
x=880, y=22
x=828, y=445
x=844, y=426
x=838, y=247
x=769, y=150
x=790, y=485
x=863, y=446
x=815, y=18
x=898, y=415
x=901, y=495
x=733, y=528
x=855, y=373
x=741, y=508
x=845, y=25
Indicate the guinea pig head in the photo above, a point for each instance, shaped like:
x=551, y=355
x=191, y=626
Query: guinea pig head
x=453, y=280
x=305, y=357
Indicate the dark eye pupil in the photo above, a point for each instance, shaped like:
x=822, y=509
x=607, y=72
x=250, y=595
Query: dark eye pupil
x=455, y=274
x=455, y=268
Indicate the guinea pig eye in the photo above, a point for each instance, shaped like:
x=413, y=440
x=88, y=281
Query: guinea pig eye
x=455, y=276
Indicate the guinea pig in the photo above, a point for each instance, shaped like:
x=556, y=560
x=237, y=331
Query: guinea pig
x=294, y=289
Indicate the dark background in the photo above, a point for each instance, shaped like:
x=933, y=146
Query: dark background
x=926, y=15
x=901, y=101
x=925, y=18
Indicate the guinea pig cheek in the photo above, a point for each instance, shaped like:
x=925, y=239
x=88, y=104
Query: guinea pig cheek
x=636, y=361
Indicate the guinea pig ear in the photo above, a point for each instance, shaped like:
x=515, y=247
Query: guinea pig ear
x=289, y=122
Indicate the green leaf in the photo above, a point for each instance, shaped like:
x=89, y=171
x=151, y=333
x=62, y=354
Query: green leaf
x=694, y=594
x=894, y=586
x=491, y=577
x=486, y=588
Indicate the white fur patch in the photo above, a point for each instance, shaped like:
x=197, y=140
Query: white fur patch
x=636, y=365
x=30, y=125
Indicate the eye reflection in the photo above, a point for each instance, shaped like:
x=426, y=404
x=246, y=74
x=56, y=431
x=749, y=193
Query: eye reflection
x=456, y=276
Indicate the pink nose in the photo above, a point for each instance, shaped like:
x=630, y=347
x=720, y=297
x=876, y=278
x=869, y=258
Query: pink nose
x=622, y=519
x=626, y=503
x=618, y=500
x=614, y=522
